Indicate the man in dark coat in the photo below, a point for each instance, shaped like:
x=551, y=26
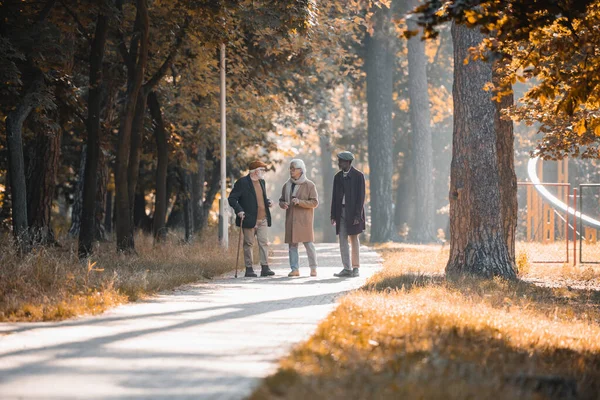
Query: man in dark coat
x=249, y=200
x=347, y=212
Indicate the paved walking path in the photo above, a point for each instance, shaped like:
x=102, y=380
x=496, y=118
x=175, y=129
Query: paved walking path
x=204, y=341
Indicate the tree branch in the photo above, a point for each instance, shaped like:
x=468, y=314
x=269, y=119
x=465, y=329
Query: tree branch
x=76, y=19
x=169, y=60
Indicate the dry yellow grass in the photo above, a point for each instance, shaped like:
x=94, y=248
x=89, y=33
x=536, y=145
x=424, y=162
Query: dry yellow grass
x=411, y=334
x=51, y=284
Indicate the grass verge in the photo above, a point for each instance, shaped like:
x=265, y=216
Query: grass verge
x=52, y=284
x=410, y=333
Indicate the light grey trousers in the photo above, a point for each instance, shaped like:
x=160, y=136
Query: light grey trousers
x=345, y=248
x=263, y=243
x=311, y=252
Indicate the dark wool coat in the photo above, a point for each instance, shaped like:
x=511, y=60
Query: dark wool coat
x=243, y=198
x=354, y=186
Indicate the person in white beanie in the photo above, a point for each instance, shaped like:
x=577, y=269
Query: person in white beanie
x=299, y=199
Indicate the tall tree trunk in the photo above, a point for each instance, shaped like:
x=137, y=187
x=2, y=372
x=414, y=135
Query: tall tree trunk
x=404, y=213
x=198, y=179
x=87, y=232
x=78, y=197
x=508, y=179
x=477, y=240
x=123, y=217
x=423, y=230
x=108, y=212
x=101, y=198
x=327, y=174
x=137, y=130
x=380, y=66
x=16, y=162
x=162, y=148
x=188, y=215
x=43, y=169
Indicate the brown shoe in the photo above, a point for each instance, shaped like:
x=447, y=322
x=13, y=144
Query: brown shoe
x=294, y=272
x=313, y=272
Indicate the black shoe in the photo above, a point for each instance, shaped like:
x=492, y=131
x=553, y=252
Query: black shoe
x=266, y=271
x=355, y=272
x=250, y=273
x=345, y=273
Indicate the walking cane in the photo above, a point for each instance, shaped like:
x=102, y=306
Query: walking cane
x=237, y=260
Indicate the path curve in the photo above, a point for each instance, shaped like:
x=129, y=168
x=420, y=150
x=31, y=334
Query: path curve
x=204, y=341
x=555, y=201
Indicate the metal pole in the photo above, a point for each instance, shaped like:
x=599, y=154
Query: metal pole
x=223, y=220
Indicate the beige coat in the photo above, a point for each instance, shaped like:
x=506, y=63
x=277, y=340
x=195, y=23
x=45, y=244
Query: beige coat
x=299, y=219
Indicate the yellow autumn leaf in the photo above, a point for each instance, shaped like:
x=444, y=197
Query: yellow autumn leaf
x=579, y=127
x=597, y=130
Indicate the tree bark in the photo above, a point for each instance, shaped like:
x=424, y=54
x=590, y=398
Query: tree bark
x=43, y=169
x=423, y=230
x=100, y=233
x=505, y=140
x=188, y=221
x=123, y=218
x=198, y=179
x=137, y=130
x=327, y=174
x=87, y=232
x=108, y=212
x=162, y=147
x=16, y=162
x=477, y=240
x=379, y=67
x=78, y=197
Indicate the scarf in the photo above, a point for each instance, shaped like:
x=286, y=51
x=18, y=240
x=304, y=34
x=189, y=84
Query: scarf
x=288, y=187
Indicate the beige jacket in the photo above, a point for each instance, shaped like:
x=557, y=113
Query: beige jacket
x=299, y=219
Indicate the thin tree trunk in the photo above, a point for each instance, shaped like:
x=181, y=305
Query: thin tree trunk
x=188, y=221
x=87, y=232
x=508, y=179
x=108, y=212
x=477, y=240
x=16, y=162
x=78, y=197
x=422, y=151
x=123, y=218
x=327, y=174
x=198, y=179
x=162, y=147
x=101, y=198
x=380, y=66
x=405, y=196
x=137, y=130
x=43, y=169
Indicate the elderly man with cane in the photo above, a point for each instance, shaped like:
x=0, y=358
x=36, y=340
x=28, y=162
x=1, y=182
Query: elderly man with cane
x=347, y=212
x=299, y=198
x=249, y=200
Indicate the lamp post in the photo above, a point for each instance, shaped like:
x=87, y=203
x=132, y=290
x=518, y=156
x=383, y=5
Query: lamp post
x=223, y=205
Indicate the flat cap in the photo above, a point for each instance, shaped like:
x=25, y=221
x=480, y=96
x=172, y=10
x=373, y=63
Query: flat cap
x=256, y=164
x=346, y=155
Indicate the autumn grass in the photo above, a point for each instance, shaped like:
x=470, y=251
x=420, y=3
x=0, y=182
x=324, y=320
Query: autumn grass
x=52, y=284
x=410, y=333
